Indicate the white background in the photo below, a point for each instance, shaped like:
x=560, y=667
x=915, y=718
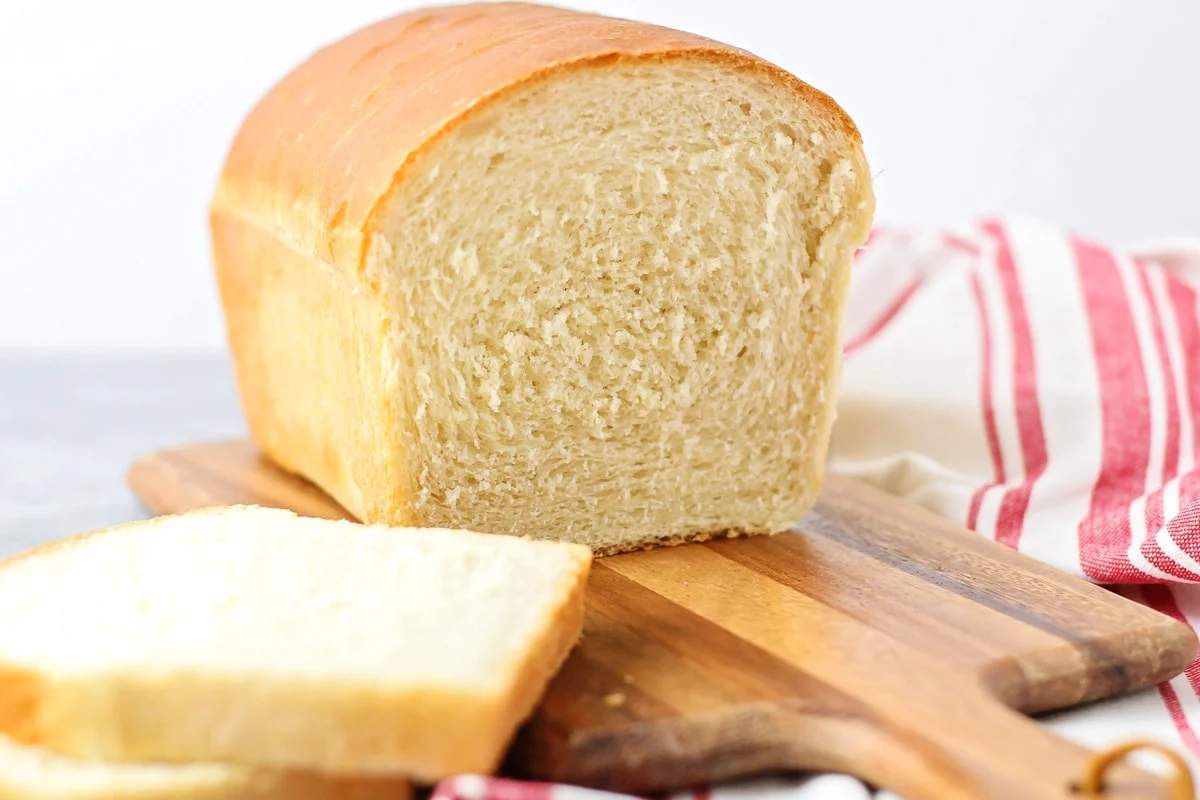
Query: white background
x=115, y=117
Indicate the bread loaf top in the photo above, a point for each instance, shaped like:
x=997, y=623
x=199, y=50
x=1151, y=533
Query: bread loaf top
x=316, y=160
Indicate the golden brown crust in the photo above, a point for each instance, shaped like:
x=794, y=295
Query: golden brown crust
x=21, y=695
x=691, y=537
x=308, y=353
x=318, y=157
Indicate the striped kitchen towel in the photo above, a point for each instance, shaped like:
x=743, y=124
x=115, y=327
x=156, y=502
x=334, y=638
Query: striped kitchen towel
x=1044, y=391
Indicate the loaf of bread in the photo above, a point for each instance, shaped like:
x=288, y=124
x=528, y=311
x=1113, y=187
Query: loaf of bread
x=253, y=636
x=532, y=271
x=34, y=773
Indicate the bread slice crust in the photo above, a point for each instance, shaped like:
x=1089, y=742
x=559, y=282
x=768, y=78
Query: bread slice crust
x=31, y=773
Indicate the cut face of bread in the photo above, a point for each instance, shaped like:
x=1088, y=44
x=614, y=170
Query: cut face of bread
x=254, y=636
x=33, y=773
x=615, y=305
x=537, y=272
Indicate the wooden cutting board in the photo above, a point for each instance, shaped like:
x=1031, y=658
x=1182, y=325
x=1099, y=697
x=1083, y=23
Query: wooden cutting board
x=876, y=639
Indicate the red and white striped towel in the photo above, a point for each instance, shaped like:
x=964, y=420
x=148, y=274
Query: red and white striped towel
x=1044, y=391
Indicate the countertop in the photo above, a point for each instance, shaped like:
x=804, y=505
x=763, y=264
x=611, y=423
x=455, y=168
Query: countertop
x=71, y=424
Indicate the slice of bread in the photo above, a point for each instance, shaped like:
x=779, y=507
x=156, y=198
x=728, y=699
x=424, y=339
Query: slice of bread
x=525, y=270
x=254, y=636
x=34, y=773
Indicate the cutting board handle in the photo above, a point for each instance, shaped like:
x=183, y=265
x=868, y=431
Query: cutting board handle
x=987, y=752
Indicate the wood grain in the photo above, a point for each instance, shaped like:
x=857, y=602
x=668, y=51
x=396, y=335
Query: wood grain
x=876, y=639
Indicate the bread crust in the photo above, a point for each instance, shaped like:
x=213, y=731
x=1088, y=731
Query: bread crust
x=317, y=159
x=363, y=752
x=309, y=354
x=33, y=713
x=296, y=214
x=233, y=784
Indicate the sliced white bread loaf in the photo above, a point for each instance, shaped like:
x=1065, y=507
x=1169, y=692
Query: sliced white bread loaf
x=253, y=636
x=34, y=773
x=526, y=270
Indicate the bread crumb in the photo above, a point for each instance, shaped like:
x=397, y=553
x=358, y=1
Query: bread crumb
x=615, y=699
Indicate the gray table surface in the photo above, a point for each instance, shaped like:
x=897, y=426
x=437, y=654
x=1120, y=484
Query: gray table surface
x=71, y=424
